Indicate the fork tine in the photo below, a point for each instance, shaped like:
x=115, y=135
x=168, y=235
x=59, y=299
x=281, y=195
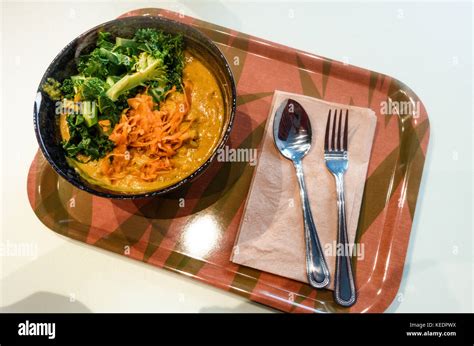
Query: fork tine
x=346, y=129
x=339, y=134
x=333, y=139
x=326, y=138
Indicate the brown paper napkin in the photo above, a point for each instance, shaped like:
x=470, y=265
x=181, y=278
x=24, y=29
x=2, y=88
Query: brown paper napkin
x=271, y=234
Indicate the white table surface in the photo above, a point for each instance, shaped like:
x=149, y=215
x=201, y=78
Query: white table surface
x=427, y=45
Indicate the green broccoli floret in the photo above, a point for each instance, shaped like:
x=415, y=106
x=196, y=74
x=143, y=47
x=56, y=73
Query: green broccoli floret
x=148, y=68
x=169, y=48
x=53, y=88
x=67, y=88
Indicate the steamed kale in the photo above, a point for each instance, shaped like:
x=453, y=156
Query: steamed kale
x=116, y=69
x=168, y=48
x=87, y=141
x=89, y=88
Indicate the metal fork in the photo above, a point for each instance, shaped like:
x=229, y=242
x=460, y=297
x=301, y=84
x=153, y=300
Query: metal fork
x=336, y=157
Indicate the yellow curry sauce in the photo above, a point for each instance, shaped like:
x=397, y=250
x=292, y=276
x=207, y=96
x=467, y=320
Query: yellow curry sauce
x=207, y=108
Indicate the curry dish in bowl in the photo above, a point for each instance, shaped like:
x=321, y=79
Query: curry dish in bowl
x=141, y=114
x=148, y=162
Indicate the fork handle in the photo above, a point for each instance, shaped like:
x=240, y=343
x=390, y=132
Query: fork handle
x=316, y=266
x=344, y=287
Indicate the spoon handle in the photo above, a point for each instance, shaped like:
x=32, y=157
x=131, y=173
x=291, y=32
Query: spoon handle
x=316, y=266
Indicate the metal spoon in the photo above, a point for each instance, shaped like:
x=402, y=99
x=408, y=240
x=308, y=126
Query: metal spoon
x=292, y=135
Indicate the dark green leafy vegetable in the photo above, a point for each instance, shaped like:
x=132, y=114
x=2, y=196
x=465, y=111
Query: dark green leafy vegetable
x=67, y=88
x=89, y=112
x=91, y=88
x=117, y=59
x=84, y=140
x=126, y=46
x=116, y=69
x=94, y=65
x=105, y=40
x=111, y=110
x=170, y=48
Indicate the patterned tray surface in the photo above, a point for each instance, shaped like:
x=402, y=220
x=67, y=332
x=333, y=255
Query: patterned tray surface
x=192, y=231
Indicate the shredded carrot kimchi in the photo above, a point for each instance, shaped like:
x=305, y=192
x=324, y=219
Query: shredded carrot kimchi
x=147, y=136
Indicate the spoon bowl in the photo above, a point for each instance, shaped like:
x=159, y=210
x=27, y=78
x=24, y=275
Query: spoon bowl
x=292, y=131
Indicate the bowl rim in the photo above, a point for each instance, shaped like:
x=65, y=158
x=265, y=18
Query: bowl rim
x=167, y=189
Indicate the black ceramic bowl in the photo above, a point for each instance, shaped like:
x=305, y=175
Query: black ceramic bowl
x=64, y=65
